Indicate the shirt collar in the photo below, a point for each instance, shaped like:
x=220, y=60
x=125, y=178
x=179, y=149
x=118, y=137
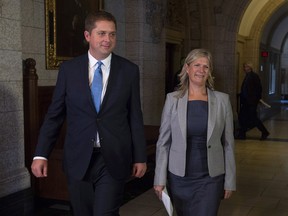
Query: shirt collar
x=92, y=61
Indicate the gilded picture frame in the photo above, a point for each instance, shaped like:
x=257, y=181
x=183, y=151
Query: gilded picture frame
x=64, y=29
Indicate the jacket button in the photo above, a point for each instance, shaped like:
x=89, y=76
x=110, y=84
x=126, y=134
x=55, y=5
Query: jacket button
x=209, y=146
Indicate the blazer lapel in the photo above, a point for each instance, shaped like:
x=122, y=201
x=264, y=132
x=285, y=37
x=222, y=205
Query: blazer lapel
x=84, y=77
x=212, y=110
x=182, y=114
x=113, y=77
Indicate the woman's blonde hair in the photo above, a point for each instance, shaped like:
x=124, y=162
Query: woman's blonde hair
x=192, y=56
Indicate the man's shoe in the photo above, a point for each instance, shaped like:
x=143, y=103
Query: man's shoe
x=240, y=134
x=240, y=137
x=264, y=136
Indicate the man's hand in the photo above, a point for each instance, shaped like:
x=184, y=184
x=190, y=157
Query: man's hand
x=139, y=169
x=39, y=168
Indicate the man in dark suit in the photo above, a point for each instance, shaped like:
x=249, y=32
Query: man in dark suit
x=251, y=93
x=102, y=147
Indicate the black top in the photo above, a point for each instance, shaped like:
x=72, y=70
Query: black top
x=197, y=121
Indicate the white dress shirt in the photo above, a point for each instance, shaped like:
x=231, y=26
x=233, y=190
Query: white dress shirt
x=105, y=71
x=105, y=75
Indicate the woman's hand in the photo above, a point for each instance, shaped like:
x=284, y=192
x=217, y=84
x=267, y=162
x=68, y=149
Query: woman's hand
x=158, y=190
x=227, y=194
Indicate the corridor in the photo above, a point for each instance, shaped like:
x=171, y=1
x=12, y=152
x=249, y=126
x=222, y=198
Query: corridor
x=262, y=181
x=262, y=174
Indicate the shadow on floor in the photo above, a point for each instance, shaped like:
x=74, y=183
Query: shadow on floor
x=135, y=187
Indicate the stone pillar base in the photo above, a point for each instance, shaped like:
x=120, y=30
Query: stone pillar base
x=13, y=181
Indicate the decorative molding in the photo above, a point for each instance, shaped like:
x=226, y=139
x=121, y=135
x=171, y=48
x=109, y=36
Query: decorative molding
x=175, y=14
x=155, y=17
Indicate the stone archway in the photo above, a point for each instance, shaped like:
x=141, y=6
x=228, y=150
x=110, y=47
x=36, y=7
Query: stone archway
x=252, y=42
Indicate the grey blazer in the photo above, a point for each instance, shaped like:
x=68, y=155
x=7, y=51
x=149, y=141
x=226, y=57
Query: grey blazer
x=171, y=144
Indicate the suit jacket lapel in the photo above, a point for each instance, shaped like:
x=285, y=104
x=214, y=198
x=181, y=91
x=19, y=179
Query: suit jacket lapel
x=212, y=110
x=84, y=77
x=182, y=114
x=113, y=77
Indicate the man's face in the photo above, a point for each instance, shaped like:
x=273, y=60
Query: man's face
x=246, y=68
x=102, y=39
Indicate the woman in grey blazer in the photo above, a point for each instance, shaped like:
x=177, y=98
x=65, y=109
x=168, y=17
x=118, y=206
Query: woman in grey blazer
x=195, y=149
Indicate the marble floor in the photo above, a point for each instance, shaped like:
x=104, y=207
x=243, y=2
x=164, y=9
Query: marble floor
x=262, y=180
x=262, y=177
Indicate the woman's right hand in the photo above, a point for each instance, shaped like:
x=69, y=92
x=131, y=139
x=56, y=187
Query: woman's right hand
x=158, y=190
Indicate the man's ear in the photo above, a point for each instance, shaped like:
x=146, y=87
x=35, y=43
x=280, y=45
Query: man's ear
x=87, y=36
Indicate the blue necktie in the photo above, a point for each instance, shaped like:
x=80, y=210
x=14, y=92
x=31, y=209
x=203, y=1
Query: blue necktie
x=97, y=86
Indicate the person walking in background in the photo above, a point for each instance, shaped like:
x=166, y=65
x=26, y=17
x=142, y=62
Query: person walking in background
x=176, y=79
x=250, y=95
x=195, y=150
x=105, y=143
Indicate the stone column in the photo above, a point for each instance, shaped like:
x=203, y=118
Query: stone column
x=14, y=176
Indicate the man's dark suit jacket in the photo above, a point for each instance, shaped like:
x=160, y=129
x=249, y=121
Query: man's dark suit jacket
x=251, y=89
x=119, y=121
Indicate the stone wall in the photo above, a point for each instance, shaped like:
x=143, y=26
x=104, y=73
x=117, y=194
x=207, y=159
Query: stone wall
x=33, y=38
x=14, y=176
x=140, y=38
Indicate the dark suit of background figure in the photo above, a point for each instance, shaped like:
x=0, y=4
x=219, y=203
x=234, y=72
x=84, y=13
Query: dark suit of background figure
x=251, y=92
x=176, y=79
x=96, y=176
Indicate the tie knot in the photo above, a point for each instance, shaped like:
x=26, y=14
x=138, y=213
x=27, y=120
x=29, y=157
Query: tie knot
x=99, y=64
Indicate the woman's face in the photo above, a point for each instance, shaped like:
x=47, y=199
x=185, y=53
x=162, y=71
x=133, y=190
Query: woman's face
x=198, y=71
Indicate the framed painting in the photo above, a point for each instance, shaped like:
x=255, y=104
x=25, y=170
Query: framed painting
x=64, y=29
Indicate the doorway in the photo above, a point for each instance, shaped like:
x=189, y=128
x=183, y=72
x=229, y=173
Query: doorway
x=173, y=66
